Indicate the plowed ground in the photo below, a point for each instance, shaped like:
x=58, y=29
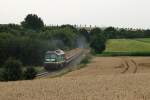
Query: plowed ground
x=105, y=78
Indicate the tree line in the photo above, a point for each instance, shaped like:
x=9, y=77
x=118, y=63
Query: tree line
x=29, y=41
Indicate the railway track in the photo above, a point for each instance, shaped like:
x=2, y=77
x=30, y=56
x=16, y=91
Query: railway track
x=71, y=56
x=43, y=74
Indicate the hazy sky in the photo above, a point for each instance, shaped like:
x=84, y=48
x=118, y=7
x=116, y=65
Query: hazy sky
x=118, y=13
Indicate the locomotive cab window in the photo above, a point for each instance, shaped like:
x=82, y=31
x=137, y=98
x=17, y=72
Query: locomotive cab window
x=54, y=56
x=51, y=58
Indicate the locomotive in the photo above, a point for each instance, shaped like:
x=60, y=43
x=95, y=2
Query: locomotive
x=59, y=59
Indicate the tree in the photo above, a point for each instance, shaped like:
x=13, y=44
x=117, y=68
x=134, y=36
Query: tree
x=32, y=21
x=99, y=44
x=30, y=73
x=94, y=32
x=68, y=26
x=147, y=33
x=85, y=33
x=110, y=32
x=12, y=70
x=97, y=40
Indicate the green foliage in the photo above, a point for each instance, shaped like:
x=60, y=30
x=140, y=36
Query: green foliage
x=65, y=35
x=1, y=72
x=29, y=42
x=85, y=33
x=32, y=21
x=97, y=40
x=70, y=27
x=125, y=54
x=32, y=51
x=110, y=32
x=5, y=46
x=26, y=49
x=12, y=70
x=10, y=28
x=30, y=73
x=30, y=47
x=147, y=33
x=94, y=33
x=113, y=33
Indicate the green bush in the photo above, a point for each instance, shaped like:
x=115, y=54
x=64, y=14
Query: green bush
x=30, y=73
x=12, y=70
x=1, y=74
x=97, y=40
x=125, y=54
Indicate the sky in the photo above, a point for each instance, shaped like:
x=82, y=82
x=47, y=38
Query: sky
x=103, y=13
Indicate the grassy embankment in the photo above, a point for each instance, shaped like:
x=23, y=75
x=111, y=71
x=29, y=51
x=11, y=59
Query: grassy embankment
x=127, y=47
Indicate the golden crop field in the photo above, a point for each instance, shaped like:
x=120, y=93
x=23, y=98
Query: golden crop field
x=105, y=78
x=114, y=65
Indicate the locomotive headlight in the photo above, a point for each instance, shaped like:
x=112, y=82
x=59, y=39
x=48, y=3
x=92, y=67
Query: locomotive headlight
x=47, y=59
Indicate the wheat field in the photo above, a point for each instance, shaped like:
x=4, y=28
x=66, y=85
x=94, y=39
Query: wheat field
x=114, y=66
x=105, y=78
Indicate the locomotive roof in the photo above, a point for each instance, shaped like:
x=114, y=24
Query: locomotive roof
x=57, y=52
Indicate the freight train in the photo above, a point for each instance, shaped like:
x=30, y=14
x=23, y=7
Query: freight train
x=58, y=59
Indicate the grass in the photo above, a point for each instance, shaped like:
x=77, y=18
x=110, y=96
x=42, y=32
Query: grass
x=39, y=69
x=127, y=47
x=146, y=40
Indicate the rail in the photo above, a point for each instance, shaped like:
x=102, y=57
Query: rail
x=71, y=55
x=42, y=74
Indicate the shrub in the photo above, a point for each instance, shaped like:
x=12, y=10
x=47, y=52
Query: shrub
x=97, y=40
x=1, y=75
x=30, y=73
x=12, y=70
